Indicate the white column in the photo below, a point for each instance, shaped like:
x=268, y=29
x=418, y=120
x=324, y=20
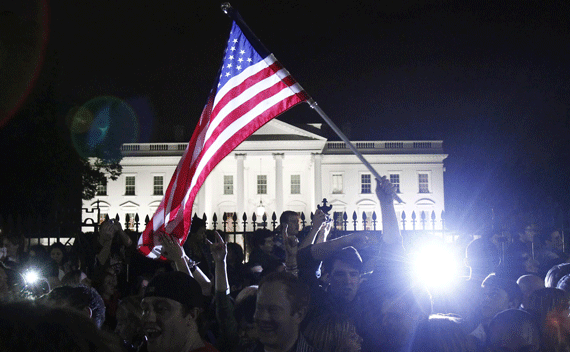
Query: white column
x=201, y=208
x=240, y=186
x=318, y=179
x=279, y=195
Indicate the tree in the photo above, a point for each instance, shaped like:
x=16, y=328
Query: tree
x=97, y=172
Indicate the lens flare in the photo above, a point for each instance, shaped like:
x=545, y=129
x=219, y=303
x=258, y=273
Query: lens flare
x=31, y=277
x=436, y=266
x=101, y=126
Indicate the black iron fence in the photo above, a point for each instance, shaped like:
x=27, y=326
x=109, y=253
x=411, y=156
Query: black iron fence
x=66, y=223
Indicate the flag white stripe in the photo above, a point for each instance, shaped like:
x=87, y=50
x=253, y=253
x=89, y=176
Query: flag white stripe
x=233, y=128
x=242, y=98
x=222, y=138
x=239, y=79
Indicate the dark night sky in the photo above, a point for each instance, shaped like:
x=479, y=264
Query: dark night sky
x=490, y=79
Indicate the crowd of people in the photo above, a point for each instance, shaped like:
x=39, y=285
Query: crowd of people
x=294, y=290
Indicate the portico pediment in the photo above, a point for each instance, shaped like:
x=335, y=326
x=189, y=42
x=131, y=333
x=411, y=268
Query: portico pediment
x=279, y=130
x=366, y=202
x=425, y=201
x=129, y=205
x=102, y=204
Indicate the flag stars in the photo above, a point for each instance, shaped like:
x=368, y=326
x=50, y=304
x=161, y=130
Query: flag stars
x=228, y=74
x=233, y=48
x=249, y=59
x=238, y=67
x=242, y=52
x=231, y=57
x=229, y=66
x=235, y=41
x=240, y=59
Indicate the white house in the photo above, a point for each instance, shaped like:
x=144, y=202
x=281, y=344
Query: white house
x=285, y=168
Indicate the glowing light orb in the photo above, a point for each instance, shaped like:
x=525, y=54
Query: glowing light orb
x=101, y=126
x=31, y=277
x=435, y=266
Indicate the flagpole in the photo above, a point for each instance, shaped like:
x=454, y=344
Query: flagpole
x=313, y=104
x=256, y=43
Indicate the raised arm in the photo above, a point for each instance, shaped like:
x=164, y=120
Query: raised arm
x=318, y=222
x=291, y=248
x=219, y=252
x=390, y=229
x=173, y=251
x=320, y=251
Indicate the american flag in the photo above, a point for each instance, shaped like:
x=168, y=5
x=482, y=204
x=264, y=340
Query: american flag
x=252, y=89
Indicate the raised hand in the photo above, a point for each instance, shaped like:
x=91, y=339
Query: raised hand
x=171, y=248
x=219, y=249
x=385, y=190
x=107, y=231
x=291, y=242
x=319, y=219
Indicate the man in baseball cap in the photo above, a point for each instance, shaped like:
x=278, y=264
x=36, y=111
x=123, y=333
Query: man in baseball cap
x=170, y=309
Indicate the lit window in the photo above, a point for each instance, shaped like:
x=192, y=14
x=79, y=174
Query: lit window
x=102, y=188
x=230, y=220
x=395, y=180
x=337, y=183
x=368, y=224
x=228, y=184
x=102, y=217
x=295, y=184
x=261, y=184
x=129, y=185
x=365, y=183
x=130, y=217
x=158, y=186
x=423, y=181
x=338, y=220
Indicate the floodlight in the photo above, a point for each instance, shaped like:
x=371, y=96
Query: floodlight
x=435, y=266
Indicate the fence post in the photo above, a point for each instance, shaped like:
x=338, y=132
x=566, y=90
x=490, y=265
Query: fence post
x=374, y=221
x=264, y=218
x=244, y=220
x=403, y=220
x=215, y=221
x=254, y=221
x=234, y=218
x=274, y=220
x=354, y=219
x=137, y=223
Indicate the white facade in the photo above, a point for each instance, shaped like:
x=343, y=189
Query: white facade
x=300, y=168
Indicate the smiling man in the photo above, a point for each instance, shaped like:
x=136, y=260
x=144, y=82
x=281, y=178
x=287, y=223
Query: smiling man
x=170, y=309
x=282, y=302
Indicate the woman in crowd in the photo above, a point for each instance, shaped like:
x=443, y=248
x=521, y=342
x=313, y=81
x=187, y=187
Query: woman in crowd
x=58, y=255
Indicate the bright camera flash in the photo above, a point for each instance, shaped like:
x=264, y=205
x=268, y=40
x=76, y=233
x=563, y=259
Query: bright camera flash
x=31, y=277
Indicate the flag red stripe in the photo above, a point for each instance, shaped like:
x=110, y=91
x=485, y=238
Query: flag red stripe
x=246, y=84
x=239, y=137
